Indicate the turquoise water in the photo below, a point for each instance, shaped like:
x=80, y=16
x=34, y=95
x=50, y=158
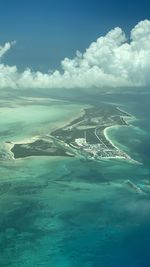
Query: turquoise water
x=68, y=212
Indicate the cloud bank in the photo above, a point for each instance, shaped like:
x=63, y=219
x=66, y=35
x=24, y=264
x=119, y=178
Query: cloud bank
x=111, y=61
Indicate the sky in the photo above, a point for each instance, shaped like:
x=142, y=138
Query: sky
x=42, y=33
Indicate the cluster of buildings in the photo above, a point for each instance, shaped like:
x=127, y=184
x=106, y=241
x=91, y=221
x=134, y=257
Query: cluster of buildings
x=99, y=150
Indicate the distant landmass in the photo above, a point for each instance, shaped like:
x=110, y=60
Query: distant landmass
x=86, y=135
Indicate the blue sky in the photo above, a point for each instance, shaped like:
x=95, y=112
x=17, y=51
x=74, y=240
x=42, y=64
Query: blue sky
x=46, y=31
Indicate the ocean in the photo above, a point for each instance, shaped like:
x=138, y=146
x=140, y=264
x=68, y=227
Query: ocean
x=68, y=212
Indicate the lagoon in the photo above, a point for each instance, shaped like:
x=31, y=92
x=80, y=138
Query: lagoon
x=68, y=212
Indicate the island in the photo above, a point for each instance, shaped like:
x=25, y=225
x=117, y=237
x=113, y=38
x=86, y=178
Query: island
x=85, y=136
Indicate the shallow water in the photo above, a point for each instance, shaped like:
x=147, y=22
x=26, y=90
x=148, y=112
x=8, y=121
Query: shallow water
x=68, y=212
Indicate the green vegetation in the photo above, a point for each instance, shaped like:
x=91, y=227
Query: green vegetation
x=84, y=135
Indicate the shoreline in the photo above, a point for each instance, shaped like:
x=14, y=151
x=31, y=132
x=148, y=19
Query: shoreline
x=124, y=156
x=105, y=131
x=107, y=137
x=81, y=113
x=33, y=139
x=11, y=144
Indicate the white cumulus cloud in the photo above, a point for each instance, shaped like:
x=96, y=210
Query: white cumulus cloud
x=111, y=61
x=5, y=48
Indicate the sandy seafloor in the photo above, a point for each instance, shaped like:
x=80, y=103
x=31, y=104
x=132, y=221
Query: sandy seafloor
x=68, y=212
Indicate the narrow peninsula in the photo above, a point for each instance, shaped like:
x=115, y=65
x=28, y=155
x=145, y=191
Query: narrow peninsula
x=85, y=136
